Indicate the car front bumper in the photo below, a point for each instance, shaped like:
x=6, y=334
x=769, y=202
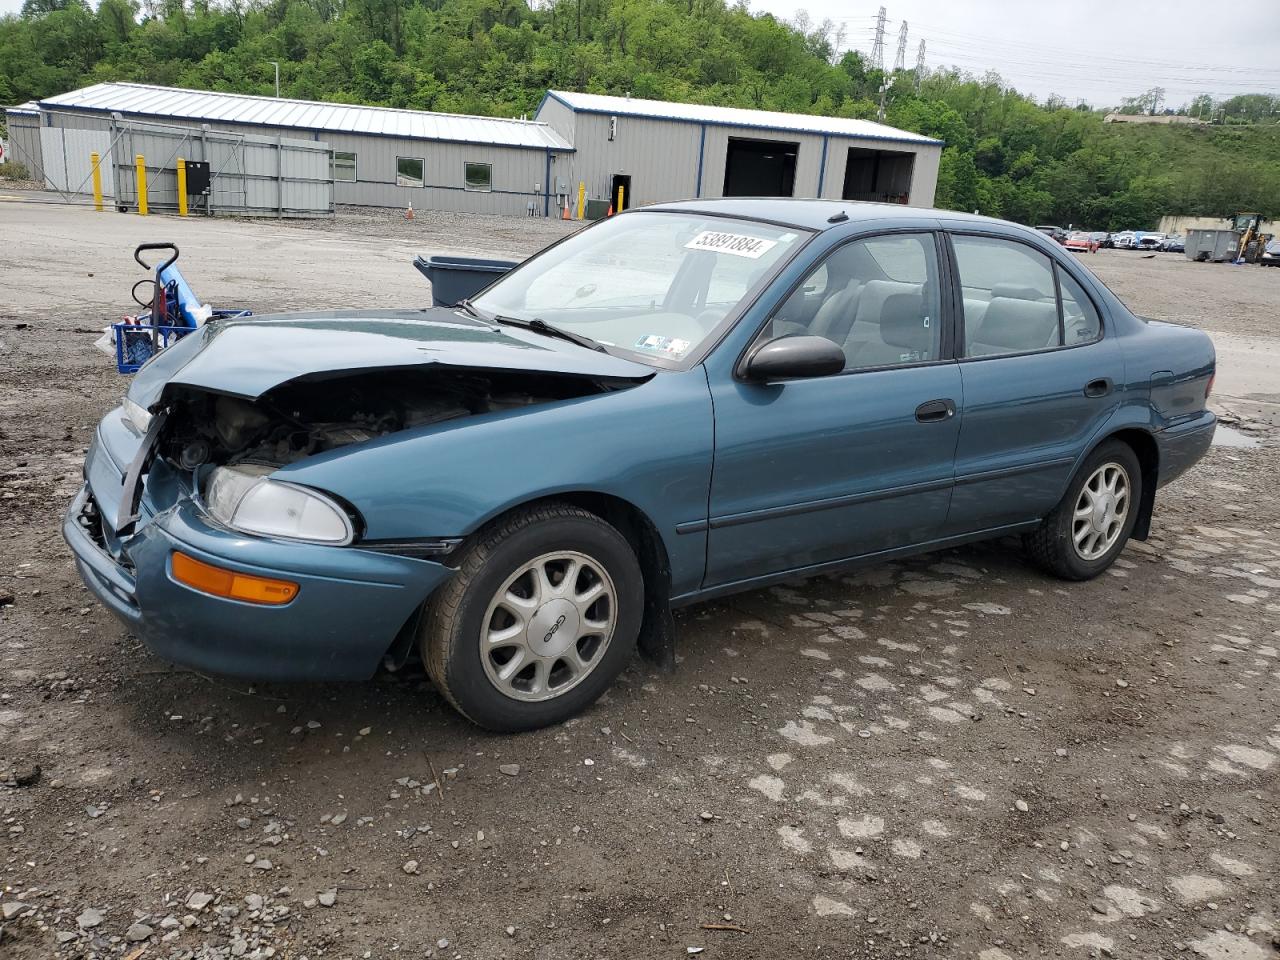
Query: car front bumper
x=351, y=602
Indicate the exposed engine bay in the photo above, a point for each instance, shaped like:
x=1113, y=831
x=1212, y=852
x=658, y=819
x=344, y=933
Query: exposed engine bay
x=311, y=415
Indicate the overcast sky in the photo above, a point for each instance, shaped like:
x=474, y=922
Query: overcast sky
x=1095, y=50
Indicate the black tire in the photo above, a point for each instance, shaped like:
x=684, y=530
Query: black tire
x=452, y=627
x=1052, y=546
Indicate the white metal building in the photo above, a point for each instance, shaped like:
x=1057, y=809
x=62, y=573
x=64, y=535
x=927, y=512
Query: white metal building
x=655, y=150
x=667, y=151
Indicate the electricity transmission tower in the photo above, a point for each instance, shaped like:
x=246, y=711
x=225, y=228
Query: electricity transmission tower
x=877, y=49
x=920, y=62
x=900, y=61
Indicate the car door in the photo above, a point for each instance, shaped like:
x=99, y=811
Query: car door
x=810, y=471
x=1040, y=378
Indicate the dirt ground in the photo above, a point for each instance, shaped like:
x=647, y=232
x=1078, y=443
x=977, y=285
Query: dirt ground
x=953, y=756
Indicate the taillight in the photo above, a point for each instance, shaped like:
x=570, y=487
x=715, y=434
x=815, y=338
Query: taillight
x=1208, y=387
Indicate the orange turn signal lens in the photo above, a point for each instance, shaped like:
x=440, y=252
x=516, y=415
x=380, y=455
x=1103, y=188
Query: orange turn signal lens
x=232, y=584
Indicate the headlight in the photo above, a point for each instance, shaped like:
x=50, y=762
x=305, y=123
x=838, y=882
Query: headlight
x=245, y=499
x=136, y=414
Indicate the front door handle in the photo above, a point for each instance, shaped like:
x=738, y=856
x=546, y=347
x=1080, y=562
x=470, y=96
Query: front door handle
x=1098, y=388
x=936, y=410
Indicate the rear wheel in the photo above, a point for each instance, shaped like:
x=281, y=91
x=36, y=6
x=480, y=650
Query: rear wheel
x=539, y=620
x=1090, y=526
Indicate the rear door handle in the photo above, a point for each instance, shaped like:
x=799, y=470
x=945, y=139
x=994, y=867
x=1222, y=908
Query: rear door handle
x=1098, y=388
x=936, y=410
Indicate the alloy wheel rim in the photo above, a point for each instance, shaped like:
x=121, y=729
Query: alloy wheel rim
x=1100, y=511
x=548, y=626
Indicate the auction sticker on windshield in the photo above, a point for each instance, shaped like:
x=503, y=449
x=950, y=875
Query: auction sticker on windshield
x=736, y=244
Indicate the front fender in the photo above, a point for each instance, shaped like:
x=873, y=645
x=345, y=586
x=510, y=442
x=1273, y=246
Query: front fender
x=650, y=445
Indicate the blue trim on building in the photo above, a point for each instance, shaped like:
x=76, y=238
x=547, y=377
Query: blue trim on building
x=920, y=142
x=47, y=111
x=434, y=186
x=702, y=146
x=546, y=188
x=822, y=166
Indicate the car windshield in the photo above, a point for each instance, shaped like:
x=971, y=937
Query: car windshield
x=650, y=284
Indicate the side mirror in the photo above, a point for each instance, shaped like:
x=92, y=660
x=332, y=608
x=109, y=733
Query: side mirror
x=790, y=358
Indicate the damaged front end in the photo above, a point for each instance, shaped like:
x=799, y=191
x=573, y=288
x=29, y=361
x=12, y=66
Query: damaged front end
x=230, y=446
x=193, y=528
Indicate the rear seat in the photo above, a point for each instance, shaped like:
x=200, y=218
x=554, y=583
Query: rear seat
x=1012, y=325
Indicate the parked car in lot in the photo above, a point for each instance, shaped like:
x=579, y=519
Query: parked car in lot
x=678, y=403
x=1173, y=244
x=1057, y=233
x=1080, y=242
x=1149, y=241
x=1124, y=240
x=1270, y=254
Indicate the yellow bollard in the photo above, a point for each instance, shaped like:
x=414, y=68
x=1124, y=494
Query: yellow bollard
x=621, y=193
x=182, y=187
x=94, y=160
x=140, y=165
x=582, y=198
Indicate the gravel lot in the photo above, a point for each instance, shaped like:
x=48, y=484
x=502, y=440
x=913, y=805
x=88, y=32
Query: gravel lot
x=949, y=757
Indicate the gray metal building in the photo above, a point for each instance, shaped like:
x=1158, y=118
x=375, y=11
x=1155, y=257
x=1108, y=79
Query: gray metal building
x=24, y=137
x=655, y=150
x=381, y=156
x=667, y=151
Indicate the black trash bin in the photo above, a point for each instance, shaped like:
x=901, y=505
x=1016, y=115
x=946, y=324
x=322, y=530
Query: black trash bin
x=459, y=278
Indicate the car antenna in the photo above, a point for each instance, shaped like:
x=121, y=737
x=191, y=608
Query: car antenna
x=840, y=217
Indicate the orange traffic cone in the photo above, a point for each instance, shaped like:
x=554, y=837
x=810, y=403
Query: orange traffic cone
x=565, y=215
x=408, y=214
x=610, y=213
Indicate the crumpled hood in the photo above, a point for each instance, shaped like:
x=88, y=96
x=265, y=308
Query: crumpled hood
x=246, y=358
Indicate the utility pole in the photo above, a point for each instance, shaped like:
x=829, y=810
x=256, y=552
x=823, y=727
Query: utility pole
x=900, y=61
x=919, y=64
x=277, y=66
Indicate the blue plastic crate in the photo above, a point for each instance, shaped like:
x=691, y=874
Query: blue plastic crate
x=136, y=343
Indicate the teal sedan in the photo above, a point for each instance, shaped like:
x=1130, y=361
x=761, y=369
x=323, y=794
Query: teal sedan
x=680, y=402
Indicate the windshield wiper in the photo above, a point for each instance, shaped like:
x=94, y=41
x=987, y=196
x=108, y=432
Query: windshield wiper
x=541, y=326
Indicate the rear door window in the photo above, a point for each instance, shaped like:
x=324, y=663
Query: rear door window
x=1080, y=321
x=1010, y=298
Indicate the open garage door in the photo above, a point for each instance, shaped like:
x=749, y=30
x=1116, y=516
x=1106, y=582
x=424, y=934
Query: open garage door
x=760, y=168
x=881, y=176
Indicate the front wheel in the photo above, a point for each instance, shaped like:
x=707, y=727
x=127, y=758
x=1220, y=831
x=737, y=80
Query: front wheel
x=539, y=620
x=1090, y=526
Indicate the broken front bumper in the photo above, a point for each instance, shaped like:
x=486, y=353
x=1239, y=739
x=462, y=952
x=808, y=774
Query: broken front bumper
x=350, y=606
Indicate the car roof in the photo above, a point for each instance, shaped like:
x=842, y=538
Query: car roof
x=810, y=214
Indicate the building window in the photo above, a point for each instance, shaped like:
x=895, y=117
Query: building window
x=479, y=176
x=342, y=166
x=409, y=171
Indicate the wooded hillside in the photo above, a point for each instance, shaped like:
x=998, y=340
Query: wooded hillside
x=1006, y=154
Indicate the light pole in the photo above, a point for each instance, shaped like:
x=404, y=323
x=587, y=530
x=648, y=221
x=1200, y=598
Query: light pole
x=277, y=66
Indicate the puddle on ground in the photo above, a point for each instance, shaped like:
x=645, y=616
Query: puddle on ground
x=1225, y=436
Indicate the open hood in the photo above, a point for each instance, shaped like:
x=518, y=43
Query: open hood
x=246, y=358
